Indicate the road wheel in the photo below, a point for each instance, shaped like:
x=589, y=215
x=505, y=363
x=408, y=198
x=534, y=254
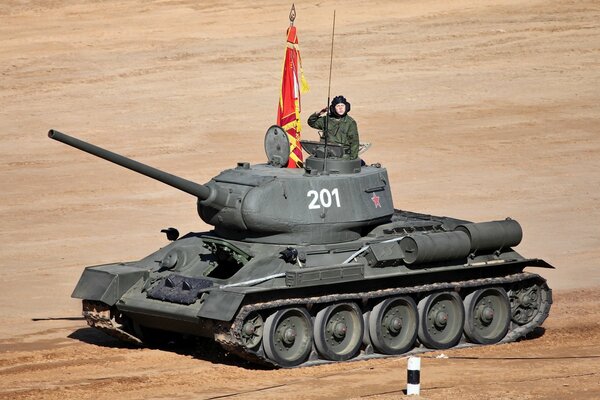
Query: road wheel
x=441, y=320
x=393, y=325
x=287, y=336
x=338, y=331
x=487, y=315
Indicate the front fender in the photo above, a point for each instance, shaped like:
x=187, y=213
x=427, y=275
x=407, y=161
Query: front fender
x=107, y=283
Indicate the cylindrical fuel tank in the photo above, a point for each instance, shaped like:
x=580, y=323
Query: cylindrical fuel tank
x=494, y=235
x=439, y=246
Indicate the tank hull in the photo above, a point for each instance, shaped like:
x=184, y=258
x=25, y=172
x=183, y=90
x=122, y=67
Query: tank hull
x=380, y=295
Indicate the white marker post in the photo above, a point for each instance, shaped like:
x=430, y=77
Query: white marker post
x=413, y=376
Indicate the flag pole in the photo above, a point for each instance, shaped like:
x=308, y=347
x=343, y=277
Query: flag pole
x=326, y=125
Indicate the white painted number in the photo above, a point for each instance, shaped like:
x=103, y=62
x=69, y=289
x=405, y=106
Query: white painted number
x=313, y=203
x=323, y=198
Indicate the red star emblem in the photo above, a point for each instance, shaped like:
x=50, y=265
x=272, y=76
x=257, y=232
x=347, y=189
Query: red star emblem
x=376, y=201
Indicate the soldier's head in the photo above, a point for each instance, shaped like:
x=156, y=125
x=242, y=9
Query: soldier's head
x=339, y=106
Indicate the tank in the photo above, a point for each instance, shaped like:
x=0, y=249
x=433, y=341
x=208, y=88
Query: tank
x=313, y=265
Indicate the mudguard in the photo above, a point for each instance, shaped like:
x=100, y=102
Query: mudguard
x=107, y=283
x=221, y=305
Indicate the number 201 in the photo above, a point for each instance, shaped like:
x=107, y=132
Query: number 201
x=324, y=198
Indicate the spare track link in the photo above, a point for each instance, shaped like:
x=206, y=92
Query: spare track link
x=99, y=315
x=231, y=341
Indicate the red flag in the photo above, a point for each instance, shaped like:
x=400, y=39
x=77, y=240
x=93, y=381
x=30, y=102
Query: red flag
x=292, y=83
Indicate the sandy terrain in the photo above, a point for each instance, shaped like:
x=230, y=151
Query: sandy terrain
x=478, y=109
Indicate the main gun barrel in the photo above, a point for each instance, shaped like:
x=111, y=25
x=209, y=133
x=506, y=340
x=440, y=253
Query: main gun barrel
x=202, y=192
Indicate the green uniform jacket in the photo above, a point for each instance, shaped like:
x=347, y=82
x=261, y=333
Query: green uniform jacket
x=342, y=131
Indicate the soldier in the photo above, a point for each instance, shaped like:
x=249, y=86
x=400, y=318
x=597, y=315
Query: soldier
x=341, y=127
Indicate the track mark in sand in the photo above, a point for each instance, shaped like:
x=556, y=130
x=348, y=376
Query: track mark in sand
x=36, y=364
x=114, y=385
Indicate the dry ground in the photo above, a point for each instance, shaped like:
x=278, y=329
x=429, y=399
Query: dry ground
x=478, y=109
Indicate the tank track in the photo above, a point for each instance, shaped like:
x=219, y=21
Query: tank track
x=230, y=335
x=102, y=317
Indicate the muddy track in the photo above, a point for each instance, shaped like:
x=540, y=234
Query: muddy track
x=234, y=341
x=232, y=338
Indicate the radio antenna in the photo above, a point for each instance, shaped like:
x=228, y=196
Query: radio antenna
x=326, y=125
x=331, y=59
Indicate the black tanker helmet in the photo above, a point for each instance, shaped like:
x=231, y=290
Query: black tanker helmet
x=337, y=100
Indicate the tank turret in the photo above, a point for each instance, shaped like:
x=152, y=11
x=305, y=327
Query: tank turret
x=330, y=200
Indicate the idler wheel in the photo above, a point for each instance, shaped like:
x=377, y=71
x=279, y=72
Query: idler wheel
x=252, y=330
x=442, y=318
x=288, y=336
x=338, y=331
x=393, y=325
x=487, y=315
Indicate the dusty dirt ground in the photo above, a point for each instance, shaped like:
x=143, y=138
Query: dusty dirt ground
x=478, y=109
